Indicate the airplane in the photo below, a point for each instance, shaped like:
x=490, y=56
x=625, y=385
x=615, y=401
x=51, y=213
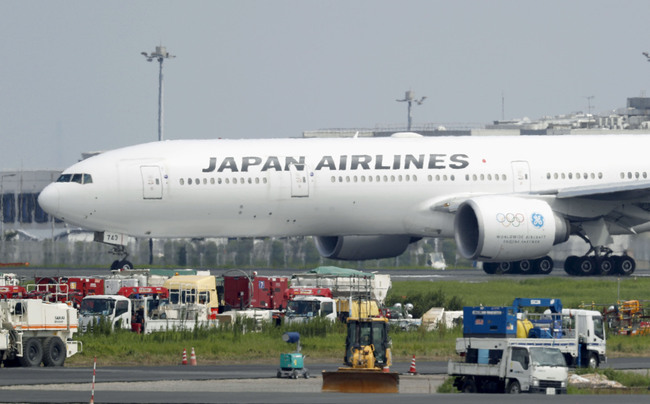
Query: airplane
x=507, y=200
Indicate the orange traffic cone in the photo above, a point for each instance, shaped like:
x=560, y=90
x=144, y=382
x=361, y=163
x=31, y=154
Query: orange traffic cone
x=412, y=370
x=184, y=362
x=193, y=358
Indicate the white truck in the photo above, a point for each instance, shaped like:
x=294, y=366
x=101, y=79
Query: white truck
x=579, y=334
x=500, y=367
x=34, y=331
x=305, y=304
x=146, y=314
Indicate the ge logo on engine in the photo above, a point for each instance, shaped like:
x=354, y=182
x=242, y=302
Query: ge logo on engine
x=510, y=219
x=538, y=220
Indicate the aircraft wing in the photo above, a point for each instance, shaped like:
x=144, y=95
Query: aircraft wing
x=639, y=191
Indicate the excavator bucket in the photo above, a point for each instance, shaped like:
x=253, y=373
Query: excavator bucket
x=347, y=380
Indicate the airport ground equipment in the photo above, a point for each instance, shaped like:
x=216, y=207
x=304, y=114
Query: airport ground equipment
x=578, y=334
x=626, y=318
x=498, y=366
x=292, y=364
x=367, y=360
x=35, y=332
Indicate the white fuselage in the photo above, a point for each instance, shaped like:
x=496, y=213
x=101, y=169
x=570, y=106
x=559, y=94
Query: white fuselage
x=321, y=187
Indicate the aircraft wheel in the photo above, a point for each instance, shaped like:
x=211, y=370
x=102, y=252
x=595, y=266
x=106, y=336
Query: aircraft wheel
x=490, y=268
x=505, y=267
x=626, y=265
x=570, y=265
x=586, y=266
x=606, y=266
x=544, y=265
x=525, y=267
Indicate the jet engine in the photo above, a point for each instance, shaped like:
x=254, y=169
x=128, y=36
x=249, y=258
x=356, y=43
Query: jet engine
x=354, y=248
x=506, y=228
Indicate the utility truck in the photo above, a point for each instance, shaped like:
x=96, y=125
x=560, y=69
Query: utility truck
x=498, y=366
x=144, y=310
x=305, y=304
x=35, y=332
x=578, y=334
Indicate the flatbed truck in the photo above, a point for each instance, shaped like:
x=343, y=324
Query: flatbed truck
x=501, y=367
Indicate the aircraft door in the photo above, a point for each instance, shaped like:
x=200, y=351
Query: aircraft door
x=520, y=176
x=151, y=182
x=299, y=181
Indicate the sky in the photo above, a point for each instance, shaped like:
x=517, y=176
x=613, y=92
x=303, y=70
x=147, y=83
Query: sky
x=72, y=78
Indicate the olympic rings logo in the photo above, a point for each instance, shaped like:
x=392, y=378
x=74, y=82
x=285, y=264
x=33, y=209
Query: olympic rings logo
x=516, y=219
x=510, y=219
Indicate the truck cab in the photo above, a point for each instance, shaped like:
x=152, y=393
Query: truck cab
x=116, y=309
x=304, y=308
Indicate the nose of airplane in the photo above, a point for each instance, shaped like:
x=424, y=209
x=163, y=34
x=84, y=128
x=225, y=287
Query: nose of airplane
x=49, y=199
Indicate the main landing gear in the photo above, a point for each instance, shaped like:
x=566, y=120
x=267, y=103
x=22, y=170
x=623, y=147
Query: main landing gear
x=596, y=264
x=599, y=260
x=542, y=266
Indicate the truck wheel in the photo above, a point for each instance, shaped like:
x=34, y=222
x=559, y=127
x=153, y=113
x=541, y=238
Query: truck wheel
x=32, y=353
x=54, y=352
x=513, y=387
x=592, y=361
x=469, y=386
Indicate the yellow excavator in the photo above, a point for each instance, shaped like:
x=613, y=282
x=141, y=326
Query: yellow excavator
x=367, y=359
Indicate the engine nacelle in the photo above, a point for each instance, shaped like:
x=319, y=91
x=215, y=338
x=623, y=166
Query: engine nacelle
x=355, y=248
x=506, y=228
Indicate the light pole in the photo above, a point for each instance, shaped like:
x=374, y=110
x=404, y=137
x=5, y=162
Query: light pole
x=410, y=99
x=159, y=54
x=2, y=207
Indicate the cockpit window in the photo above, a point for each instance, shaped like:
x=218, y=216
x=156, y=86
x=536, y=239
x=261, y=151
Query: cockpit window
x=78, y=178
x=64, y=178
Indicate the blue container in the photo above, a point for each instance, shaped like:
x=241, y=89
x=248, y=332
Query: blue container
x=490, y=322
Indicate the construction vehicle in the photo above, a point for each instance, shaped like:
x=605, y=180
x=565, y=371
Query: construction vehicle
x=367, y=360
x=292, y=364
x=35, y=332
x=578, y=334
x=500, y=367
